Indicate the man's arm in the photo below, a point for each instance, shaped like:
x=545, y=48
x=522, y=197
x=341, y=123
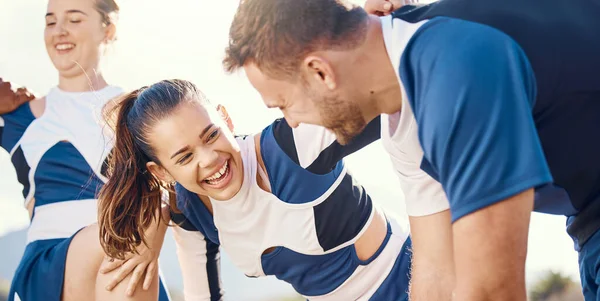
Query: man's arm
x=491, y=247
x=433, y=263
x=433, y=260
x=432, y=271
x=479, y=140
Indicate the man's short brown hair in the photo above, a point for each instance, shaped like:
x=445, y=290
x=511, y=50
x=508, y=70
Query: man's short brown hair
x=277, y=34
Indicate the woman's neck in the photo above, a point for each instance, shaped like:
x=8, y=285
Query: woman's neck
x=84, y=82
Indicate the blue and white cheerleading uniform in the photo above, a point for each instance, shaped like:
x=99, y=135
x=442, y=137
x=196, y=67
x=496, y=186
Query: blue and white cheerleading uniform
x=60, y=159
x=314, y=215
x=13, y=216
x=500, y=97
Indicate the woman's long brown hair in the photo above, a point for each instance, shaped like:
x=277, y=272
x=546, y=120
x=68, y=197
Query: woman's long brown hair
x=130, y=201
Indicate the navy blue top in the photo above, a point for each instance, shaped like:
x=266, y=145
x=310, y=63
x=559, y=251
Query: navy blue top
x=507, y=97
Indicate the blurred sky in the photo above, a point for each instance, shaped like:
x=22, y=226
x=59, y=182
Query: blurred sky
x=185, y=39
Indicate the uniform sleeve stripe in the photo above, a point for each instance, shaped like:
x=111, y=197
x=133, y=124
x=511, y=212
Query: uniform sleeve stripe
x=180, y=220
x=312, y=141
x=334, y=152
x=284, y=137
x=212, y=270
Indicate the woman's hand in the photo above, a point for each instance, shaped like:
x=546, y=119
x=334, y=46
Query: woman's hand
x=384, y=7
x=142, y=265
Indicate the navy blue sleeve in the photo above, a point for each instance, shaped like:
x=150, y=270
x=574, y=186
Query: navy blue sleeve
x=180, y=220
x=315, y=148
x=197, y=250
x=472, y=90
x=2, y=131
x=13, y=125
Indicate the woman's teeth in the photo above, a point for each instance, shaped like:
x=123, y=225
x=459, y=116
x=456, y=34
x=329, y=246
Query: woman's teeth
x=65, y=46
x=217, y=175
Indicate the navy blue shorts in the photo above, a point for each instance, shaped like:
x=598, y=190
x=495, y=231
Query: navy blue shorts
x=41, y=272
x=395, y=285
x=589, y=268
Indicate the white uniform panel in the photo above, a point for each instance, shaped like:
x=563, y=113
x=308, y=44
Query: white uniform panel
x=399, y=134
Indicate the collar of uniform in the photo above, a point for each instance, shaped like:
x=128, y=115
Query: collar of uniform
x=396, y=35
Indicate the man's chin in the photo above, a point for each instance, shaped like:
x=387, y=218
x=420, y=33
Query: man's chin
x=343, y=137
x=343, y=141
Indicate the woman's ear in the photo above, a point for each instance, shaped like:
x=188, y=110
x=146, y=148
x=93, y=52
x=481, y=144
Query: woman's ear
x=110, y=33
x=223, y=113
x=159, y=172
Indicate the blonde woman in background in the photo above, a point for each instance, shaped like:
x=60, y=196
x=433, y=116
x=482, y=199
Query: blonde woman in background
x=58, y=146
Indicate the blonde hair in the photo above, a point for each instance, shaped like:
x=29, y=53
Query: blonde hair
x=109, y=10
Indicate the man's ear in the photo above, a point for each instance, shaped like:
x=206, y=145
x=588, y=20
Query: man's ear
x=320, y=71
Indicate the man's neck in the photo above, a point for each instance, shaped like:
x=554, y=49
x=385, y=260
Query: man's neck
x=385, y=96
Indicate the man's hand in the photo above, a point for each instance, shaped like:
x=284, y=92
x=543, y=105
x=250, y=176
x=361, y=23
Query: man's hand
x=384, y=7
x=10, y=100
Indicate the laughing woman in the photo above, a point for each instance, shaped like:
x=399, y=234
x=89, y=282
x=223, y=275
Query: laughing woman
x=279, y=203
x=58, y=145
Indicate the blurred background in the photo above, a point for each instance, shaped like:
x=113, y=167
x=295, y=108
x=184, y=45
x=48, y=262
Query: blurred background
x=186, y=39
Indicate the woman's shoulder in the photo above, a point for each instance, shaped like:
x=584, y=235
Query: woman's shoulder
x=37, y=106
x=115, y=97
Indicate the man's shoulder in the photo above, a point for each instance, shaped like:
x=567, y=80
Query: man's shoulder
x=444, y=40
